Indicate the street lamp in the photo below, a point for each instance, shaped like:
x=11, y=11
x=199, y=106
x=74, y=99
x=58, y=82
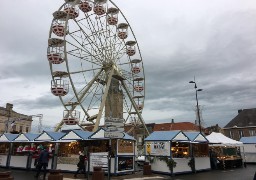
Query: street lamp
x=197, y=107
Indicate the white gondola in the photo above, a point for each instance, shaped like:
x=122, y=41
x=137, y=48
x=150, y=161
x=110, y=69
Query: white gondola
x=71, y=117
x=122, y=31
x=112, y=17
x=85, y=6
x=59, y=87
x=72, y=11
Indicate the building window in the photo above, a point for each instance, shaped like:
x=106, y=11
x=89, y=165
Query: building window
x=14, y=127
x=241, y=133
x=27, y=129
x=231, y=134
x=21, y=127
x=252, y=132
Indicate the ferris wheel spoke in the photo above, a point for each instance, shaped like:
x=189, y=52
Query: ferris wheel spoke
x=87, y=36
x=96, y=34
x=83, y=50
x=87, y=70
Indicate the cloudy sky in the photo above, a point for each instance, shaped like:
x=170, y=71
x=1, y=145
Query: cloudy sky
x=215, y=41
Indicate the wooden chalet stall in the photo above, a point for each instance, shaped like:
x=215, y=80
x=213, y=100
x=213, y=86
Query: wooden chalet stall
x=229, y=152
x=168, y=147
x=5, y=148
x=122, y=153
x=48, y=140
x=249, y=149
x=22, y=150
x=69, y=146
x=199, y=150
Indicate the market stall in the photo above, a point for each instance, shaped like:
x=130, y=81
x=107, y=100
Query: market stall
x=5, y=148
x=47, y=140
x=22, y=150
x=227, y=151
x=199, y=151
x=249, y=148
x=122, y=152
x=69, y=146
x=168, y=152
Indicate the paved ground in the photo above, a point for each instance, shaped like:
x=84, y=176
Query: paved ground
x=233, y=174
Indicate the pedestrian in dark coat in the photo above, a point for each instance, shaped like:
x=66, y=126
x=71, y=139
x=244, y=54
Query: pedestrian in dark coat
x=81, y=165
x=43, y=160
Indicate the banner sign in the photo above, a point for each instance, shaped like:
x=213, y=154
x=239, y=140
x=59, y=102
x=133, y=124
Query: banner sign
x=158, y=148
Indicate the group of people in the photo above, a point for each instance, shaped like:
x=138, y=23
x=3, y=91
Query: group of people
x=42, y=163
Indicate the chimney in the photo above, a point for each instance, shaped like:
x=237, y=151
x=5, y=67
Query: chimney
x=9, y=106
x=240, y=110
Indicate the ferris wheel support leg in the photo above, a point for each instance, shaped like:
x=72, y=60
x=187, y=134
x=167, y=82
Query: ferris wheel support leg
x=79, y=99
x=135, y=107
x=96, y=126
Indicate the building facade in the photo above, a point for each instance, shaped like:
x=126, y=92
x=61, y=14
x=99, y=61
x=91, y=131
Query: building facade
x=243, y=125
x=13, y=122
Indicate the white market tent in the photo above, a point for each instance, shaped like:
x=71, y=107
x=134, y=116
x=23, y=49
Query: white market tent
x=222, y=140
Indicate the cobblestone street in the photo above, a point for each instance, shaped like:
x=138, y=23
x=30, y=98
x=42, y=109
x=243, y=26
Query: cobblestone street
x=231, y=174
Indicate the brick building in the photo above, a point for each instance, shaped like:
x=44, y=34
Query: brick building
x=243, y=125
x=13, y=122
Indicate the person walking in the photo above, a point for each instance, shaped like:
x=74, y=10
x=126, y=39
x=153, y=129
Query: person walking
x=81, y=165
x=43, y=160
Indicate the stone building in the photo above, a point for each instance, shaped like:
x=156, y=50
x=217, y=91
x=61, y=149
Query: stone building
x=243, y=125
x=13, y=122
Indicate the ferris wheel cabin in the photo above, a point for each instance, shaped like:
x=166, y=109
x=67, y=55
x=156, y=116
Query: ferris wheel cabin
x=73, y=12
x=100, y=7
x=59, y=87
x=71, y=117
x=85, y=6
x=130, y=48
x=112, y=17
x=122, y=30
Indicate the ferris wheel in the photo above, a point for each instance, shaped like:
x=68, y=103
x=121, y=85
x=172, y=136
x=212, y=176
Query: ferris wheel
x=96, y=65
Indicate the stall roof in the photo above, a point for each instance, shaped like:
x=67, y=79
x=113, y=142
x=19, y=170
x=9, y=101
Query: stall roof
x=248, y=140
x=99, y=134
x=218, y=138
x=76, y=135
x=26, y=137
x=8, y=137
x=49, y=136
x=196, y=137
x=167, y=136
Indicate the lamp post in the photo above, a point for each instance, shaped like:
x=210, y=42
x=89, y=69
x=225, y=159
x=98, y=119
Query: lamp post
x=197, y=107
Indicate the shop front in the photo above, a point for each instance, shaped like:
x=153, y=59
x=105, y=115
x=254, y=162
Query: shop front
x=121, y=153
x=226, y=152
x=168, y=152
x=199, y=151
x=5, y=148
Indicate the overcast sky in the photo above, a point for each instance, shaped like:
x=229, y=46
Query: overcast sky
x=215, y=41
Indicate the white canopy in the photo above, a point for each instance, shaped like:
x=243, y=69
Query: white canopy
x=222, y=140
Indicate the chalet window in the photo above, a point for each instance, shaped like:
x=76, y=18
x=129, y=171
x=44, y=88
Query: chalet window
x=241, y=133
x=252, y=132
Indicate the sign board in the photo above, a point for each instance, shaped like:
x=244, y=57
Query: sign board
x=116, y=124
x=113, y=134
x=114, y=128
x=99, y=159
x=114, y=120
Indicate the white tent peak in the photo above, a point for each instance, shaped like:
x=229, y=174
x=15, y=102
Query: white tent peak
x=219, y=138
